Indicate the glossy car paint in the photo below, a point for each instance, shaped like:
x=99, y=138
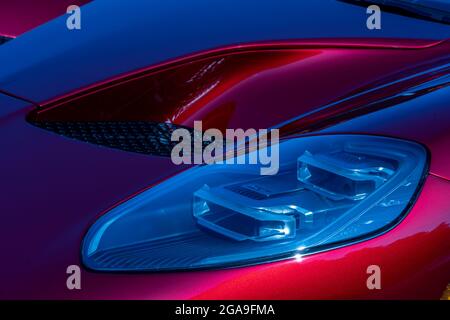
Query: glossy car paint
x=20, y=16
x=54, y=188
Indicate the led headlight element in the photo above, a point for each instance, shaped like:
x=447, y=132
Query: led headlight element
x=329, y=191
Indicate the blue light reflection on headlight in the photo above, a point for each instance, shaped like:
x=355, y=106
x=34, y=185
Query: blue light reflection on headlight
x=329, y=191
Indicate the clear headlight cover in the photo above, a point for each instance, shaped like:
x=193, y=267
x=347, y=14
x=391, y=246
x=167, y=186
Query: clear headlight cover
x=329, y=191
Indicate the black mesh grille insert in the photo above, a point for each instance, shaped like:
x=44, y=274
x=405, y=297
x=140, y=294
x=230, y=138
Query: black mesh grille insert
x=134, y=136
x=4, y=39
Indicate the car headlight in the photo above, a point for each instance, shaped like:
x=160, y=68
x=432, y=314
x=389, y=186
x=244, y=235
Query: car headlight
x=329, y=191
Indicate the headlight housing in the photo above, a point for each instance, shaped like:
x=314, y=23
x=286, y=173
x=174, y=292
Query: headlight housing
x=330, y=191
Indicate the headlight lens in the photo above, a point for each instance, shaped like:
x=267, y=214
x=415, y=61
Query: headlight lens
x=329, y=191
